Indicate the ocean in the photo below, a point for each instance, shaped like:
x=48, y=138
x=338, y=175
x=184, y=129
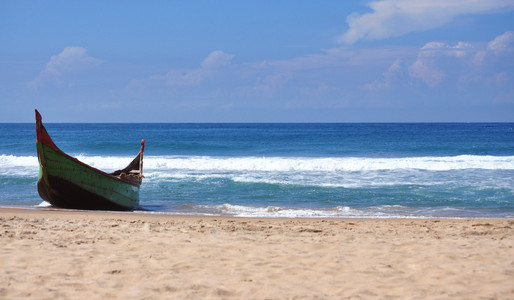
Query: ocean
x=336, y=170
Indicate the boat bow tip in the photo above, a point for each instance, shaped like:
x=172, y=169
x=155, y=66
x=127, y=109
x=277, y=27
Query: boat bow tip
x=38, y=116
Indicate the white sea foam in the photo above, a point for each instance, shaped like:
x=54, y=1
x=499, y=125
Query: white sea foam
x=328, y=164
x=18, y=161
x=288, y=212
x=44, y=204
x=208, y=165
x=28, y=165
x=282, y=212
x=374, y=212
x=18, y=165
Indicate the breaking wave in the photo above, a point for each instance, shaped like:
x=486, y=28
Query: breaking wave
x=23, y=164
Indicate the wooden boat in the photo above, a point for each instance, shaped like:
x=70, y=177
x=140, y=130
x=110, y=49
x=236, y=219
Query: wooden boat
x=66, y=182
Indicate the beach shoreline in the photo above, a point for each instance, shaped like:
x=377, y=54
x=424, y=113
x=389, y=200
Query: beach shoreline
x=77, y=254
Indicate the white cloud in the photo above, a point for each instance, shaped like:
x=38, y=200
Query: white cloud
x=332, y=71
x=265, y=85
x=271, y=82
x=461, y=49
x=479, y=57
x=426, y=71
x=185, y=78
x=329, y=58
x=388, y=77
x=215, y=60
x=70, y=61
x=504, y=42
x=336, y=58
x=426, y=67
x=391, y=18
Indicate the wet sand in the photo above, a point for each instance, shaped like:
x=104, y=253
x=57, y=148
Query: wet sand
x=48, y=254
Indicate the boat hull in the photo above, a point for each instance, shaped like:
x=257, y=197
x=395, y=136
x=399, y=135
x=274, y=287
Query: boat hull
x=68, y=183
x=66, y=194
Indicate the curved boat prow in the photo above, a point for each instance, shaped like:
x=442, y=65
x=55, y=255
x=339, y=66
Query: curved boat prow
x=66, y=182
x=43, y=136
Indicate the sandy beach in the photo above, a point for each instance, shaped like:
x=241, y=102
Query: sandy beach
x=46, y=254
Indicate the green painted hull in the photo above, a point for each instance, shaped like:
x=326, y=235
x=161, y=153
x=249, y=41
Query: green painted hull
x=57, y=170
x=66, y=182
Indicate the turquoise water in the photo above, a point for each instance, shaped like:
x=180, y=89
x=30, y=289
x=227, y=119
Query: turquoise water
x=288, y=170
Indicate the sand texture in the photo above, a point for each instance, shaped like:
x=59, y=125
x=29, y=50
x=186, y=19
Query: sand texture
x=86, y=255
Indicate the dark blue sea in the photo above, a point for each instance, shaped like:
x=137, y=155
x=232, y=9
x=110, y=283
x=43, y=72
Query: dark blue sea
x=287, y=170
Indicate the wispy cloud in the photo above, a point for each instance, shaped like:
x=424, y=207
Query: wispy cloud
x=387, y=78
x=267, y=85
x=211, y=67
x=329, y=77
x=392, y=18
x=70, y=61
x=504, y=42
x=463, y=62
x=335, y=58
x=426, y=70
x=217, y=59
x=426, y=66
x=190, y=77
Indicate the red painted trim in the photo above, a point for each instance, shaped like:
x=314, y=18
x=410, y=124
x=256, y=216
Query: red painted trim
x=43, y=136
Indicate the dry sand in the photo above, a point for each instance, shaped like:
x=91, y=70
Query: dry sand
x=87, y=255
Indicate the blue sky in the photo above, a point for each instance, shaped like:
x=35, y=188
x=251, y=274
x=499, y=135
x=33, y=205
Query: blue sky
x=257, y=61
